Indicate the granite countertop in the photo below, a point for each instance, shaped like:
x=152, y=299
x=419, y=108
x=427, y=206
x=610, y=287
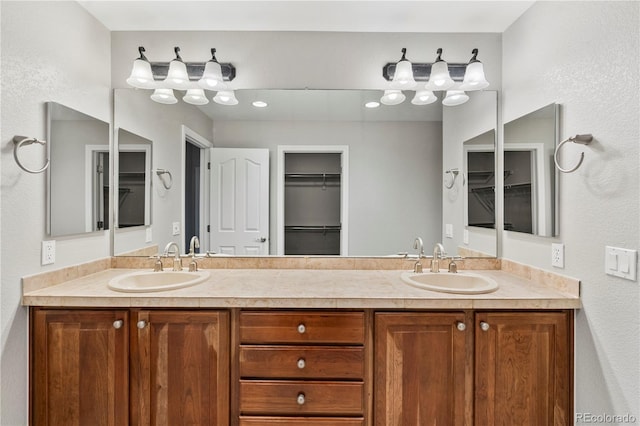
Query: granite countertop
x=304, y=288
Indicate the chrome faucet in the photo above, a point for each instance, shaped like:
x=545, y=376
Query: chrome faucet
x=177, y=263
x=418, y=245
x=193, y=245
x=438, y=253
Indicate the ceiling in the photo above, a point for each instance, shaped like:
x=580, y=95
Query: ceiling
x=302, y=15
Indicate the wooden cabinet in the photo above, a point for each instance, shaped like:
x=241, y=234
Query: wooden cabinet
x=93, y=367
x=422, y=370
x=497, y=368
x=524, y=368
x=180, y=368
x=301, y=368
x=79, y=367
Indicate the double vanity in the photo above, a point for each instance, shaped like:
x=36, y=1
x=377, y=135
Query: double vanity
x=301, y=341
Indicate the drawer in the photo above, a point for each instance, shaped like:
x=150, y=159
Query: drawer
x=301, y=398
x=302, y=362
x=302, y=327
x=300, y=421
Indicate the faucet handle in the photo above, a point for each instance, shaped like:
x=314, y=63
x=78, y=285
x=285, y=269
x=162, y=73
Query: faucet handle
x=157, y=267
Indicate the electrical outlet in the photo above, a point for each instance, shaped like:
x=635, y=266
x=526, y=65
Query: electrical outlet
x=448, y=230
x=48, y=252
x=176, y=228
x=557, y=255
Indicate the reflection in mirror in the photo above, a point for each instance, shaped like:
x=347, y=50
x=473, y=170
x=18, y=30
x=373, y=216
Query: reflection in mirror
x=469, y=201
x=395, y=158
x=530, y=176
x=134, y=180
x=480, y=171
x=78, y=176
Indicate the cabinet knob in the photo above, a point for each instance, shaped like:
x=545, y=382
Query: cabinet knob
x=302, y=329
x=461, y=326
x=301, y=363
x=118, y=324
x=484, y=326
x=141, y=324
x=300, y=400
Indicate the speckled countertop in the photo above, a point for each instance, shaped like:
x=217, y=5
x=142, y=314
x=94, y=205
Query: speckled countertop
x=306, y=288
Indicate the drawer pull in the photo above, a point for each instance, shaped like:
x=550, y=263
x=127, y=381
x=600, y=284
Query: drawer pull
x=484, y=326
x=302, y=329
x=141, y=324
x=118, y=324
x=301, y=363
x=461, y=326
x=300, y=400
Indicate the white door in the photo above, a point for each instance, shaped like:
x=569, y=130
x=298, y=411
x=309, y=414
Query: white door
x=240, y=201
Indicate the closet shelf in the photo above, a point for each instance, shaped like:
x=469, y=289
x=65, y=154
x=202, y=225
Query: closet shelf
x=312, y=175
x=312, y=228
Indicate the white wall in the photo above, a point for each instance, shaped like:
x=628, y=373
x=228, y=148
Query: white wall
x=392, y=165
x=51, y=51
x=584, y=55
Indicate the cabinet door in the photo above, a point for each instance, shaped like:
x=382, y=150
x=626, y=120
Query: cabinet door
x=180, y=368
x=523, y=369
x=422, y=369
x=79, y=373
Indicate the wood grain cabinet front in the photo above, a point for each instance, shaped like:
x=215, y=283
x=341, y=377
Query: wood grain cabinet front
x=79, y=367
x=306, y=366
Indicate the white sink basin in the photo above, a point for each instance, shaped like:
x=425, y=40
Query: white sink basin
x=462, y=282
x=140, y=282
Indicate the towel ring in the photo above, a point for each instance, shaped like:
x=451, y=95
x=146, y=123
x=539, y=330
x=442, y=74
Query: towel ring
x=161, y=172
x=580, y=139
x=18, y=142
x=454, y=173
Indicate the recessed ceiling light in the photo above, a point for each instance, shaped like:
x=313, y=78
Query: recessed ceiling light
x=259, y=104
x=372, y=104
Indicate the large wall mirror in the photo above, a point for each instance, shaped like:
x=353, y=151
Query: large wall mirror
x=78, y=175
x=530, y=196
x=396, y=186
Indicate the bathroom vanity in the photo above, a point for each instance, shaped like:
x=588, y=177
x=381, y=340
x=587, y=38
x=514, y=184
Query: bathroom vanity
x=296, y=347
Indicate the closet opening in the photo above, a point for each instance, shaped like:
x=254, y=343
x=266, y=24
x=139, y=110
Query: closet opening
x=312, y=200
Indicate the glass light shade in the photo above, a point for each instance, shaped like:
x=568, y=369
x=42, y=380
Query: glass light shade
x=424, y=97
x=195, y=97
x=455, y=97
x=474, y=77
x=212, y=77
x=392, y=97
x=439, y=78
x=403, y=77
x=164, y=96
x=141, y=75
x=177, y=77
x=225, y=97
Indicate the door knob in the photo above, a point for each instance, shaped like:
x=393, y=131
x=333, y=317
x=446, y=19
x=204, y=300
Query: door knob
x=261, y=240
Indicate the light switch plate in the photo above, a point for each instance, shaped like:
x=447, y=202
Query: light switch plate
x=557, y=255
x=621, y=262
x=48, y=252
x=148, y=235
x=448, y=230
x=176, y=228
x=465, y=236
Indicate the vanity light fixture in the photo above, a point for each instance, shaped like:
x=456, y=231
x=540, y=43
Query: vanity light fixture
x=440, y=76
x=424, y=97
x=192, y=77
x=393, y=97
x=225, y=97
x=455, y=97
x=403, y=75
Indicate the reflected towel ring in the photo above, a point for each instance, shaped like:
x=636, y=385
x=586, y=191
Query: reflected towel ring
x=18, y=142
x=454, y=173
x=161, y=172
x=580, y=139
